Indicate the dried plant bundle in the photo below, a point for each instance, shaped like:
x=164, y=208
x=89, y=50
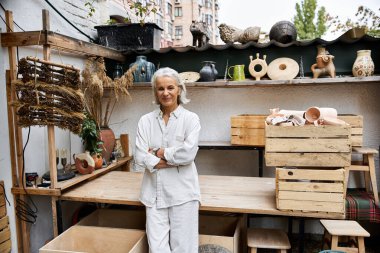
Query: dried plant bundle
x=48, y=94
x=93, y=84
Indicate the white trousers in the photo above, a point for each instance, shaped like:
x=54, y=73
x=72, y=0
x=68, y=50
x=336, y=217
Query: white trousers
x=173, y=229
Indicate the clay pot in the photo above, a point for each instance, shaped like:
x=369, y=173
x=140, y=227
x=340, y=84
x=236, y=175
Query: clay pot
x=363, y=65
x=98, y=159
x=108, y=138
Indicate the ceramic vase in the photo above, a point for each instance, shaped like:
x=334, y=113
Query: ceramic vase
x=363, y=65
x=108, y=138
x=208, y=72
x=144, y=70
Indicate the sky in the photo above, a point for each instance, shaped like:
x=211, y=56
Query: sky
x=265, y=13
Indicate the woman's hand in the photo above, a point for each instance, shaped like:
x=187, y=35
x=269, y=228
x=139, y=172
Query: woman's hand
x=163, y=164
x=160, y=153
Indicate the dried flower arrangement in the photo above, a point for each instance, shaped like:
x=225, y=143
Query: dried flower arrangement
x=93, y=84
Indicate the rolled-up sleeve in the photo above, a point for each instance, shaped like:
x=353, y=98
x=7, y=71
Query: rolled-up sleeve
x=142, y=156
x=185, y=153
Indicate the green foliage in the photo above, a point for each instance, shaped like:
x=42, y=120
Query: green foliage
x=308, y=26
x=90, y=136
x=366, y=18
x=140, y=10
x=91, y=8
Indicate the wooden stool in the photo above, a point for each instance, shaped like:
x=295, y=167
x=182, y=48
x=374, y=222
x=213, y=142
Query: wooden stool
x=337, y=228
x=366, y=165
x=264, y=238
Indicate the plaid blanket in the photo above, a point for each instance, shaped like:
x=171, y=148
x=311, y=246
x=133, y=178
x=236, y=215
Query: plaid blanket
x=360, y=205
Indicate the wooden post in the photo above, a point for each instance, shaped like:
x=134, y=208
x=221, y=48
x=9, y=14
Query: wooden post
x=21, y=226
x=51, y=134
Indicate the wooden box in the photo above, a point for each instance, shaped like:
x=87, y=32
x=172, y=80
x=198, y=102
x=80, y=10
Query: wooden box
x=98, y=239
x=3, y=208
x=356, y=123
x=5, y=235
x=311, y=190
x=248, y=129
x=225, y=231
x=308, y=146
x=115, y=218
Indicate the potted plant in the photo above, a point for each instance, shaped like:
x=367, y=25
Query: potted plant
x=91, y=140
x=130, y=33
x=100, y=107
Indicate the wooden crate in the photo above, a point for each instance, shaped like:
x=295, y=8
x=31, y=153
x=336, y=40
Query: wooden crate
x=98, y=239
x=356, y=123
x=225, y=231
x=5, y=235
x=308, y=146
x=311, y=190
x=3, y=208
x=115, y=218
x=248, y=129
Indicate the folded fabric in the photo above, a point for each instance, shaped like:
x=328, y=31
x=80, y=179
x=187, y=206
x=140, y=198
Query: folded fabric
x=360, y=205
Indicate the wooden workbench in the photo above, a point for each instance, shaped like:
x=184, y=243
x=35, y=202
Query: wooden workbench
x=251, y=195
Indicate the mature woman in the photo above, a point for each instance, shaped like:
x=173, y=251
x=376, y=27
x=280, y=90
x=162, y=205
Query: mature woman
x=166, y=145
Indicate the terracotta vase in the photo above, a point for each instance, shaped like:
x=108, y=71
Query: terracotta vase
x=108, y=138
x=98, y=159
x=363, y=65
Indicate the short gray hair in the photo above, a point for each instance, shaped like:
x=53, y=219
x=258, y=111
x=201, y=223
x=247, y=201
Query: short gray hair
x=168, y=72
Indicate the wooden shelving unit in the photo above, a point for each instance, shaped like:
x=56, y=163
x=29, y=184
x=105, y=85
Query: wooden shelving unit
x=64, y=185
x=59, y=42
x=249, y=83
x=49, y=40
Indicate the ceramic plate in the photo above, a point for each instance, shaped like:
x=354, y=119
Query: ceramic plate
x=188, y=77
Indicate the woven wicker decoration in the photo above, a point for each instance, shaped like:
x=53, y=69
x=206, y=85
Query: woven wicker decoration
x=48, y=94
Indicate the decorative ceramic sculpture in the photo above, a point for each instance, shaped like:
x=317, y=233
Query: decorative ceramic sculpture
x=262, y=68
x=324, y=65
x=231, y=34
x=200, y=33
x=283, y=31
x=363, y=65
x=283, y=69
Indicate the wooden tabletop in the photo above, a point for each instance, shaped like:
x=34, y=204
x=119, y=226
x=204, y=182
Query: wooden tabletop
x=219, y=193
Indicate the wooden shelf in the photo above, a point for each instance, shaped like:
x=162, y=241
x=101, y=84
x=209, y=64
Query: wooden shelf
x=220, y=83
x=60, y=42
x=64, y=185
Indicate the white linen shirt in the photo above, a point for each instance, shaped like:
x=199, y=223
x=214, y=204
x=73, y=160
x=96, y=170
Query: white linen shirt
x=174, y=185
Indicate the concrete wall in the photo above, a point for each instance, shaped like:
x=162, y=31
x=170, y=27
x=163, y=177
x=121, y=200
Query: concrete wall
x=214, y=107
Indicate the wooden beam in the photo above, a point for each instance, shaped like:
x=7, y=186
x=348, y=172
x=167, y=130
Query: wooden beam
x=61, y=42
x=36, y=191
x=51, y=135
x=21, y=226
x=18, y=39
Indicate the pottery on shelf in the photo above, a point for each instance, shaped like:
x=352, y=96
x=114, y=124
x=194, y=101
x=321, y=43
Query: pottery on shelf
x=208, y=72
x=363, y=65
x=258, y=67
x=324, y=65
x=283, y=69
x=107, y=136
x=144, y=70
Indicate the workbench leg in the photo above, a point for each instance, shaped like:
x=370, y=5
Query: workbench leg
x=261, y=162
x=290, y=230
x=301, y=232
x=59, y=216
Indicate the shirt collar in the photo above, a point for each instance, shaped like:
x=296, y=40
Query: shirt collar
x=177, y=112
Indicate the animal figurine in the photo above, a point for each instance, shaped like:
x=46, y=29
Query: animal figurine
x=324, y=65
x=200, y=33
x=231, y=34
